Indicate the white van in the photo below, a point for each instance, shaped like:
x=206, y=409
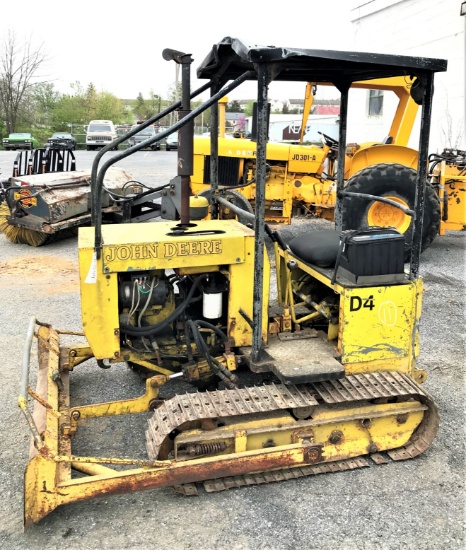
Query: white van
x=100, y=133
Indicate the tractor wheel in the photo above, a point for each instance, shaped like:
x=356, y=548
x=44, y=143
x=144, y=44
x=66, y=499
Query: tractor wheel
x=234, y=197
x=398, y=183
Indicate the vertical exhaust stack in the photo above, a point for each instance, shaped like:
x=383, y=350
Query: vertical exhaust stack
x=186, y=132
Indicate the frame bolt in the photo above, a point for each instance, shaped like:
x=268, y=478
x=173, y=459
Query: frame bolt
x=336, y=437
x=372, y=448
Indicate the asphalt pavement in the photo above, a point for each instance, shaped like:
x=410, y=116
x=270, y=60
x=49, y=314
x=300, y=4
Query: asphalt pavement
x=415, y=504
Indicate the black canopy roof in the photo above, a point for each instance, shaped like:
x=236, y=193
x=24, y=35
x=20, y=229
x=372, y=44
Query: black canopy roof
x=231, y=57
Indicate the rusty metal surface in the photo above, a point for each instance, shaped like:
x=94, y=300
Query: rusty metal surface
x=50, y=472
x=357, y=387
x=200, y=406
x=378, y=458
x=422, y=437
x=179, y=473
x=191, y=407
x=60, y=196
x=285, y=474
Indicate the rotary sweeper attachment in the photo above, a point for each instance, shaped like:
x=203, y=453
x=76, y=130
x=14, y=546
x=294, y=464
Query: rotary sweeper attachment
x=47, y=199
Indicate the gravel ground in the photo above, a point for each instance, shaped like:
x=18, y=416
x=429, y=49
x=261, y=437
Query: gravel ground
x=418, y=504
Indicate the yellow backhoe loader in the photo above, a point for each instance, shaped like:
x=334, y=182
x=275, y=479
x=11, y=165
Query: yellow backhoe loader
x=302, y=178
x=333, y=359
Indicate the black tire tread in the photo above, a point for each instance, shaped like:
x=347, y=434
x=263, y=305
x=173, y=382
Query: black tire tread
x=234, y=196
x=390, y=179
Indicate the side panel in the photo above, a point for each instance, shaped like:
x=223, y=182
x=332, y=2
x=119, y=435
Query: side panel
x=99, y=307
x=152, y=246
x=380, y=323
x=241, y=297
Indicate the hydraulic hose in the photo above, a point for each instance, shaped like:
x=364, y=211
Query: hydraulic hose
x=223, y=373
x=217, y=331
x=152, y=330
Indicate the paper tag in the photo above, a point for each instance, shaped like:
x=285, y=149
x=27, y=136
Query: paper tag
x=92, y=274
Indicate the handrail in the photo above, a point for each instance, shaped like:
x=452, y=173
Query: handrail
x=98, y=182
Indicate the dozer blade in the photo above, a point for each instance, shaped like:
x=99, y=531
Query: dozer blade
x=226, y=438
x=42, y=470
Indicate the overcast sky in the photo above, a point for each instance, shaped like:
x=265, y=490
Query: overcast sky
x=118, y=45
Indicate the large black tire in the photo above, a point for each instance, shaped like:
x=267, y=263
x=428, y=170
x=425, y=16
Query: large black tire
x=236, y=198
x=392, y=181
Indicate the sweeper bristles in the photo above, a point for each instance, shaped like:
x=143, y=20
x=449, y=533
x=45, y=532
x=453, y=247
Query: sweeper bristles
x=19, y=235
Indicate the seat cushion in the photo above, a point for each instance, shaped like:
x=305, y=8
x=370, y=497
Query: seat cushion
x=317, y=247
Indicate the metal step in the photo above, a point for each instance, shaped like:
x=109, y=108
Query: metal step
x=298, y=361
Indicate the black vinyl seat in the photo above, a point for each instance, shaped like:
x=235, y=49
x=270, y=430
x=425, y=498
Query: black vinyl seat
x=317, y=247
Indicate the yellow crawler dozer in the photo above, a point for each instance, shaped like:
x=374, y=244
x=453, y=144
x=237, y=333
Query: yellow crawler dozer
x=318, y=380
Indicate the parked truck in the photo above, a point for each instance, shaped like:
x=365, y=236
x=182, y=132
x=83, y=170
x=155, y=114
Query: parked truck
x=100, y=133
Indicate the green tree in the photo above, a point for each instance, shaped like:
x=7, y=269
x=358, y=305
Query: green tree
x=174, y=95
x=146, y=108
x=90, y=100
x=85, y=105
x=108, y=106
x=139, y=107
x=45, y=98
x=154, y=104
x=249, y=108
x=234, y=107
x=202, y=121
x=68, y=109
x=174, y=92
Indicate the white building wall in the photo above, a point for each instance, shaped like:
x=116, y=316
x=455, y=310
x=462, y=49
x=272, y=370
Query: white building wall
x=361, y=126
x=426, y=28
